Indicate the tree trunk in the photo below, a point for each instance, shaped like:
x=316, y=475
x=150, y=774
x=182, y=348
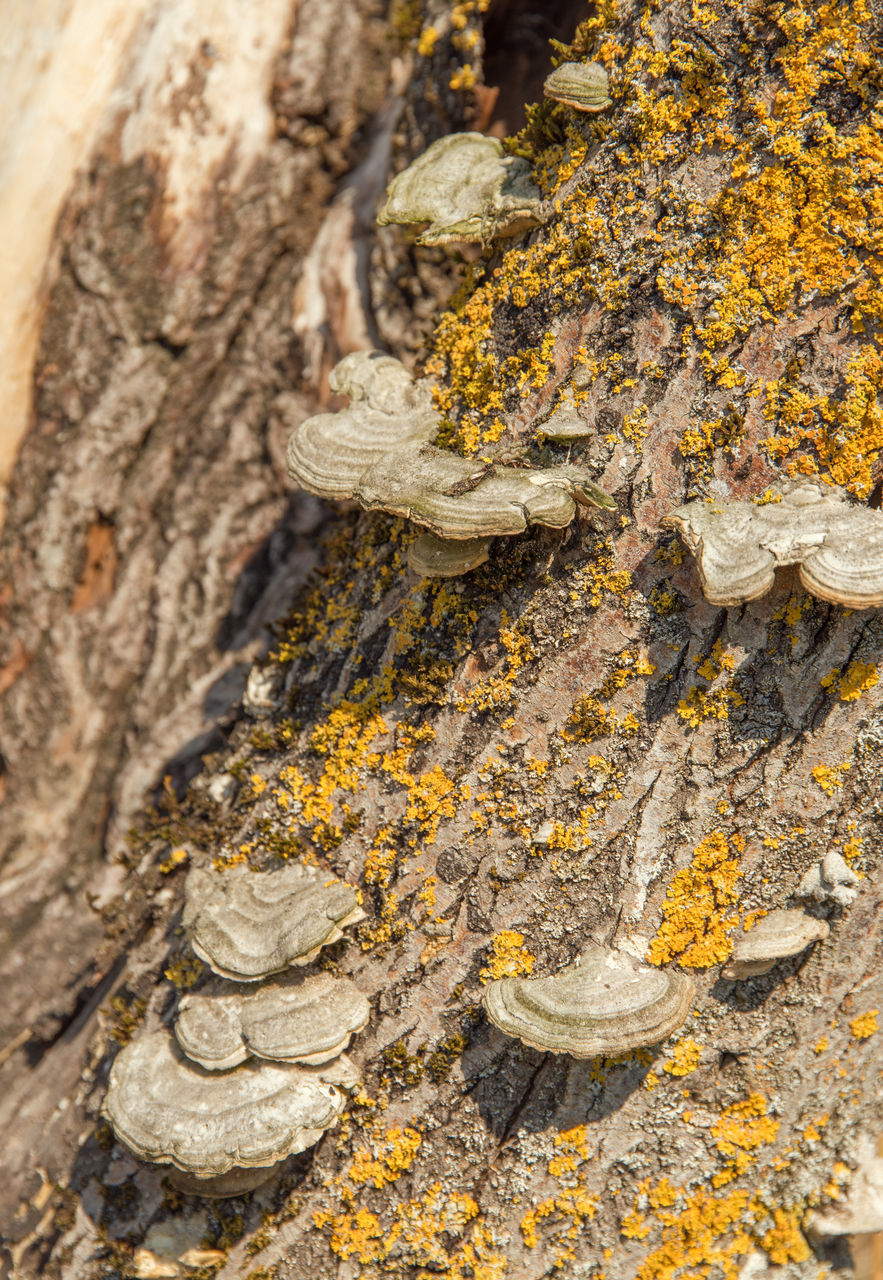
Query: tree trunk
x=567, y=744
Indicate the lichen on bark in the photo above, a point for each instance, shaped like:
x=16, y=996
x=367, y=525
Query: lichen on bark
x=570, y=742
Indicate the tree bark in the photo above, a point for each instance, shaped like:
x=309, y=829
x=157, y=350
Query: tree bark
x=516, y=763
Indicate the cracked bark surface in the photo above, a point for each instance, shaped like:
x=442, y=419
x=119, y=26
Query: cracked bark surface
x=131, y=612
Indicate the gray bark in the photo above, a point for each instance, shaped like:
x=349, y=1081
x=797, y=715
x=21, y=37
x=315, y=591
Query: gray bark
x=150, y=540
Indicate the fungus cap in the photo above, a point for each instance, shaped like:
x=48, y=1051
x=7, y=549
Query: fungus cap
x=458, y=497
x=582, y=85
x=247, y=925
x=464, y=190
x=773, y=937
x=605, y=1002
x=308, y=1019
x=328, y=453
x=738, y=545
x=433, y=557
x=168, y=1110
x=565, y=424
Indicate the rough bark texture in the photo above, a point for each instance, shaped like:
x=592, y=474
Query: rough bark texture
x=507, y=765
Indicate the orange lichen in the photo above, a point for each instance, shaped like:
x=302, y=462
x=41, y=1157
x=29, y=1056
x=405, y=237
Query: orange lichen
x=856, y=680
x=784, y=1242
x=387, y=1159
x=830, y=777
x=865, y=1025
x=696, y=915
x=571, y=1149
x=685, y=1058
x=508, y=957
x=572, y=1206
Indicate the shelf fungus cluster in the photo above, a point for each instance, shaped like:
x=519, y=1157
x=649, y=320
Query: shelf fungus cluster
x=377, y=451
x=603, y=1003
x=773, y=937
x=253, y=1074
x=739, y=545
x=584, y=86
x=464, y=190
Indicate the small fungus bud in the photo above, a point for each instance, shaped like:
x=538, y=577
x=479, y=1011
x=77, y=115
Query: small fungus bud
x=433, y=557
x=581, y=85
x=831, y=880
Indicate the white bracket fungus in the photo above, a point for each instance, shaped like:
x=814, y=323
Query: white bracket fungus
x=248, y=924
x=603, y=1003
x=739, y=545
x=329, y=453
x=457, y=499
x=376, y=451
x=832, y=879
x=773, y=937
x=464, y=190
x=307, y=1019
x=581, y=85
x=222, y=1132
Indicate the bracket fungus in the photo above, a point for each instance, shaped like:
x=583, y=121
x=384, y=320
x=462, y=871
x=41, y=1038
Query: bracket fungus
x=328, y=453
x=464, y=190
x=307, y=1019
x=831, y=880
x=247, y=925
x=455, y=499
x=377, y=452
x=603, y=1003
x=222, y=1132
x=739, y=545
x=773, y=937
x=581, y=85
x=433, y=557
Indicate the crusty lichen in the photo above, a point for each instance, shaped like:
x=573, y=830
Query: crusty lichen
x=698, y=908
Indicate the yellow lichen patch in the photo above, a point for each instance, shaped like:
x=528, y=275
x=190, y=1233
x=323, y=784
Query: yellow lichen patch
x=386, y=1159
x=711, y=704
x=572, y=1207
x=830, y=777
x=184, y=970
x=704, y=1233
x=508, y=957
x=845, y=433
x=684, y=1058
x=498, y=690
x=571, y=1149
x=739, y=1130
x=696, y=911
x=784, y=1242
x=439, y=1232
x=856, y=680
x=865, y=1025
x=176, y=858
